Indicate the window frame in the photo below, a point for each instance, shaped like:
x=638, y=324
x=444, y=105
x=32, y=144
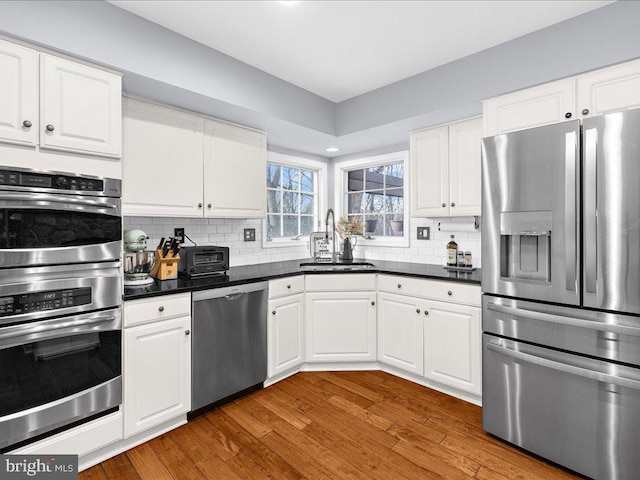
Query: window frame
x=320, y=170
x=341, y=189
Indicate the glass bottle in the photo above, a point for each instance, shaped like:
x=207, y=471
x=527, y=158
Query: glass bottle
x=452, y=252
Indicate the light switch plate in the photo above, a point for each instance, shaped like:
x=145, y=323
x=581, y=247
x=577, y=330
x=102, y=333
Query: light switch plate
x=249, y=234
x=424, y=233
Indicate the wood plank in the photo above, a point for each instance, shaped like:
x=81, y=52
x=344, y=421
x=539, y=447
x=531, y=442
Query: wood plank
x=429, y=462
x=372, y=380
x=244, y=418
x=346, y=394
x=269, y=401
x=223, y=446
x=189, y=442
x=147, y=463
x=295, y=456
x=361, y=413
x=399, y=413
x=120, y=468
x=94, y=473
x=290, y=399
x=351, y=386
x=214, y=467
x=248, y=469
x=174, y=459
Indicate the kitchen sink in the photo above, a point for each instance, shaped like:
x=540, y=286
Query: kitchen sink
x=335, y=266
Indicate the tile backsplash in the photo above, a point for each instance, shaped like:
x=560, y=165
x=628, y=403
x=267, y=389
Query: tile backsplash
x=229, y=233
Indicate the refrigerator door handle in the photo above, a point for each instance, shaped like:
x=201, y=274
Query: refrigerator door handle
x=564, y=320
x=570, y=205
x=497, y=346
x=590, y=210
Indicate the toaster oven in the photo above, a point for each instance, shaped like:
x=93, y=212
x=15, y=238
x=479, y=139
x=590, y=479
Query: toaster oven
x=203, y=260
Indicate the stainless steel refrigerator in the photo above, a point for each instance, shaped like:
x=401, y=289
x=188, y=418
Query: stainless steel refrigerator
x=561, y=292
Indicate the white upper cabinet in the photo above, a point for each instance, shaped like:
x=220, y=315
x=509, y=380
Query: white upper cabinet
x=235, y=163
x=162, y=161
x=594, y=93
x=445, y=170
x=18, y=94
x=80, y=108
x=609, y=89
x=58, y=104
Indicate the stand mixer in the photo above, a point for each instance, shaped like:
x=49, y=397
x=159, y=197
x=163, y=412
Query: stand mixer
x=137, y=261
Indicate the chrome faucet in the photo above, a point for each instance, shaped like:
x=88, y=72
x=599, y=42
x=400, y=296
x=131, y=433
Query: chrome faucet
x=326, y=232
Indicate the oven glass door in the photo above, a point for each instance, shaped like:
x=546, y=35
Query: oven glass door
x=58, y=371
x=42, y=229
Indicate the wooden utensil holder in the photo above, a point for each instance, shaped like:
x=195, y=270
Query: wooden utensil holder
x=165, y=268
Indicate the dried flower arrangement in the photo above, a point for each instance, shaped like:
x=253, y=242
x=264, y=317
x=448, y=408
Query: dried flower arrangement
x=349, y=227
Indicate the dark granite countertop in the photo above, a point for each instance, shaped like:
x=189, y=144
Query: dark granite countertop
x=270, y=271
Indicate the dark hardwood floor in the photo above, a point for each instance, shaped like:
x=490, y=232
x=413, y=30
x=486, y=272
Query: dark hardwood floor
x=331, y=425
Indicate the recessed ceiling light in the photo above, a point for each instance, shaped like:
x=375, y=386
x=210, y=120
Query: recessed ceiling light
x=332, y=149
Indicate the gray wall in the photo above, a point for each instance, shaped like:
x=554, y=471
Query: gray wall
x=169, y=68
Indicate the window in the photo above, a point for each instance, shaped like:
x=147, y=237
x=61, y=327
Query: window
x=292, y=197
x=374, y=192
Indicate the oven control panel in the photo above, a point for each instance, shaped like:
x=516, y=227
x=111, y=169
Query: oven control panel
x=42, y=301
x=17, y=178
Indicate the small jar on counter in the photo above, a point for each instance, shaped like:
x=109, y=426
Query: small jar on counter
x=461, y=258
x=468, y=261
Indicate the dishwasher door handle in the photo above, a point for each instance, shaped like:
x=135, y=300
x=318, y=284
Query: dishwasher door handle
x=234, y=296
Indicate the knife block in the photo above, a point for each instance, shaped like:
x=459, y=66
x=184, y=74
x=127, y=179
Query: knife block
x=165, y=268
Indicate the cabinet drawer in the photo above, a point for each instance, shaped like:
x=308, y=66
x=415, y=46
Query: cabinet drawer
x=434, y=289
x=347, y=282
x=147, y=310
x=286, y=286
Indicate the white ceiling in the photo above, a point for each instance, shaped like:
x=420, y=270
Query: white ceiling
x=341, y=49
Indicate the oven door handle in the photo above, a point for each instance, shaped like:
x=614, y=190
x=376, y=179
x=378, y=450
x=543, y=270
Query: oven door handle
x=30, y=332
x=39, y=200
x=498, y=347
x=562, y=320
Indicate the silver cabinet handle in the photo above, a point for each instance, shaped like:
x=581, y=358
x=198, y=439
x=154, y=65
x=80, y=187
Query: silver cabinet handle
x=50, y=128
x=187, y=332
x=161, y=308
x=590, y=212
x=563, y=367
x=562, y=320
x=26, y=124
x=570, y=203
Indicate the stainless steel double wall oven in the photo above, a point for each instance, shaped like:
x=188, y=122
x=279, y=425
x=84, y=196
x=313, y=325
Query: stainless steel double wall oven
x=60, y=301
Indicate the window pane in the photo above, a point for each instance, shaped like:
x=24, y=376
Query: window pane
x=273, y=226
x=394, y=202
x=394, y=175
x=373, y=224
x=290, y=178
x=373, y=202
x=273, y=175
x=374, y=178
x=290, y=202
x=306, y=225
x=273, y=201
x=307, y=181
x=395, y=225
x=290, y=224
x=355, y=180
x=354, y=201
x=306, y=204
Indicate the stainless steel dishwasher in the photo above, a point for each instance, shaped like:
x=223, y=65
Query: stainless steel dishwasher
x=229, y=342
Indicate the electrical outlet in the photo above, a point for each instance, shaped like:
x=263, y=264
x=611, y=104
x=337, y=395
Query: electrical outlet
x=178, y=234
x=423, y=233
x=249, y=234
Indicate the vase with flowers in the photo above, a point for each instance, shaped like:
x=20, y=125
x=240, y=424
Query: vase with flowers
x=348, y=229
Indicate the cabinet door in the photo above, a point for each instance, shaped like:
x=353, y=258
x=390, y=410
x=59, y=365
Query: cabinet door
x=162, y=162
x=18, y=94
x=400, y=332
x=549, y=103
x=285, y=334
x=452, y=346
x=465, y=141
x=235, y=169
x=157, y=373
x=80, y=108
x=430, y=173
x=609, y=89
x=340, y=326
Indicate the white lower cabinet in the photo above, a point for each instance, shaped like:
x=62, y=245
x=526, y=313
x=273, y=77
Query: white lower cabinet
x=157, y=364
x=400, y=332
x=285, y=334
x=452, y=346
x=341, y=326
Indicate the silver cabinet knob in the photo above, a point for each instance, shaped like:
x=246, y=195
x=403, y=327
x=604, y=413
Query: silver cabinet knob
x=50, y=128
x=199, y=205
x=187, y=332
x=417, y=310
x=273, y=312
x=399, y=285
x=26, y=124
x=161, y=308
x=444, y=204
x=453, y=204
x=585, y=111
x=567, y=115
x=289, y=287
x=449, y=293
x=426, y=312
x=208, y=205
x=373, y=303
